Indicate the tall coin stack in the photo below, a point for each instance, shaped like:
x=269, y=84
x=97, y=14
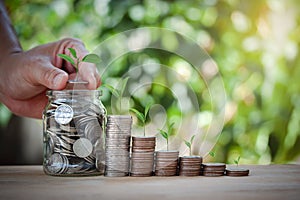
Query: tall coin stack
x=117, y=143
x=213, y=169
x=142, y=157
x=166, y=163
x=190, y=165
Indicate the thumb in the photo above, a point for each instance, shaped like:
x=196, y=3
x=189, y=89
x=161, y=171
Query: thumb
x=49, y=76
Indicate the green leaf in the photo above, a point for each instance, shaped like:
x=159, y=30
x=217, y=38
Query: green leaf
x=112, y=90
x=192, y=139
x=147, y=108
x=188, y=144
x=237, y=160
x=170, y=128
x=73, y=52
x=164, y=134
x=91, y=58
x=67, y=58
x=139, y=115
x=123, y=86
x=212, y=154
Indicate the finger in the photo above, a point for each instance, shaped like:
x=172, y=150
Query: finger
x=87, y=71
x=44, y=73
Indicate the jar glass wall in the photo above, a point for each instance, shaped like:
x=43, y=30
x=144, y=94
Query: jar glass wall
x=73, y=133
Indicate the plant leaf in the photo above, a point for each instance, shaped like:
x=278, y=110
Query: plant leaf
x=237, y=160
x=192, y=139
x=67, y=58
x=73, y=52
x=188, y=144
x=91, y=58
x=123, y=86
x=147, y=108
x=170, y=128
x=212, y=154
x=139, y=115
x=112, y=90
x=164, y=134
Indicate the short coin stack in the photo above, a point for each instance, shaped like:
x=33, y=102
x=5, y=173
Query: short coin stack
x=237, y=172
x=213, y=169
x=166, y=163
x=190, y=165
x=117, y=143
x=142, y=157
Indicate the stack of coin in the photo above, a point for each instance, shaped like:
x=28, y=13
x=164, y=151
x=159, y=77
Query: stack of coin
x=142, y=157
x=118, y=132
x=166, y=163
x=74, y=143
x=190, y=165
x=237, y=172
x=213, y=169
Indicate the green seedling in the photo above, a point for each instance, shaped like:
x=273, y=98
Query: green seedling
x=212, y=154
x=118, y=92
x=167, y=134
x=75, y=61
x=142, y=116
x=236, y=161
x=189, y=144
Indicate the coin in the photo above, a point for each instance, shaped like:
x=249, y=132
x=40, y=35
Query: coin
x=57, y=163
x=82, y=147
x=190, y=165
x=213, y=169
x=77, y=82
x=142, y=157
x=166, y=163
x=63, y=114
x=117, y=143
x=237, y=172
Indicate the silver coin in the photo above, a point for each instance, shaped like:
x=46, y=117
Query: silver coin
x=63, y=114
x=57, y=163
x=82, y=147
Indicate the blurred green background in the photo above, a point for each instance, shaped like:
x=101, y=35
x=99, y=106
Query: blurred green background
x=254, y=43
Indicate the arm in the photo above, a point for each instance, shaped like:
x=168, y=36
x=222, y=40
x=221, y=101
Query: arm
x=26, y=75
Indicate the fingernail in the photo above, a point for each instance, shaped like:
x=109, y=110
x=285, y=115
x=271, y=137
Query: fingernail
x=57, y=81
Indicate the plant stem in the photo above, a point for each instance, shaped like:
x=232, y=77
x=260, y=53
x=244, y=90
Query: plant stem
x=144, y=130
x=167, y=144
x=190, y=151
x=120, y=104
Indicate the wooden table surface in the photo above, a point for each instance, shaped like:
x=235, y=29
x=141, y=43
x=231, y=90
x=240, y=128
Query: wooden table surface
x=264, y=182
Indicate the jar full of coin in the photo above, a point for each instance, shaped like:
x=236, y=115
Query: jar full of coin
x=73, y=133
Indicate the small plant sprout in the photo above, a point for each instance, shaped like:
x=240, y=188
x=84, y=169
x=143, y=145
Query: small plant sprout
x=212, y=154
x=237, y=160
x=75, y=60
x=167, y=134
x=142, y=116
x=189, y=144
x=118, y=92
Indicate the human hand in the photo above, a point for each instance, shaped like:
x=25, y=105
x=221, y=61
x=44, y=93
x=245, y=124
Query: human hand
x=25, y=76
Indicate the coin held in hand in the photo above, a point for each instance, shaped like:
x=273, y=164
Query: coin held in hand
x=82, y=147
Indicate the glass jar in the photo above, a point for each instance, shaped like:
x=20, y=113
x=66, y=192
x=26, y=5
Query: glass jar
x=74, y=139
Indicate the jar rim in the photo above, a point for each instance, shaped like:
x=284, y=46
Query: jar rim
x=74, y=92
